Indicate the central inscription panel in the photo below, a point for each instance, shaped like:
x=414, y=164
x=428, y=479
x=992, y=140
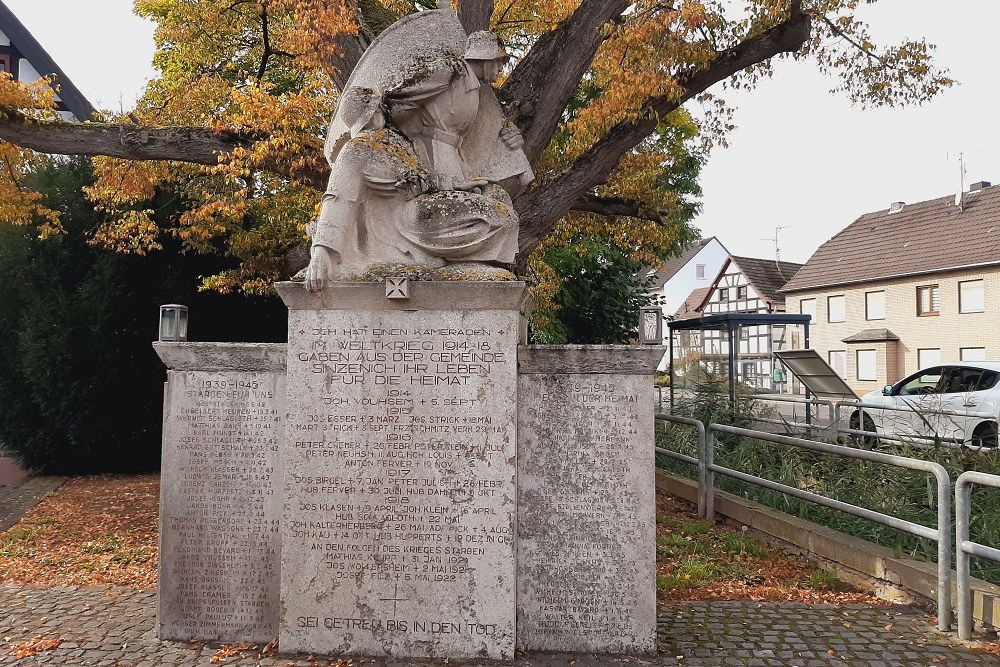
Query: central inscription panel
x=399, y=472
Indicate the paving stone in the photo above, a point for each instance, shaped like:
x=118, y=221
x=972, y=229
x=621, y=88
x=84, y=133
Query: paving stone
x=703, y=634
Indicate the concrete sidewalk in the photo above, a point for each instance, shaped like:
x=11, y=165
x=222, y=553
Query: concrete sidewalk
x=101, y=626
x=16, y=500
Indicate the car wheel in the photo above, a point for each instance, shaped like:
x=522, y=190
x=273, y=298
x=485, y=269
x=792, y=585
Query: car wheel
x=985, y=435
x=865, y=441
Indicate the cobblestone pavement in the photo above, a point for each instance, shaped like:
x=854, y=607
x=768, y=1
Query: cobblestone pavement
x=16, y=500
x=100, y=626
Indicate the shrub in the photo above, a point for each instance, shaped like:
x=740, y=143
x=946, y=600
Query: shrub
x=81, y=388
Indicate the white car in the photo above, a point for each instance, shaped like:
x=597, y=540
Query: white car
x=956, y=389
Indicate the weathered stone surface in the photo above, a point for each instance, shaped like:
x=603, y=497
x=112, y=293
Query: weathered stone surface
x=586, y=500
x=397, y=532
x=422, y=158
x=220, y=494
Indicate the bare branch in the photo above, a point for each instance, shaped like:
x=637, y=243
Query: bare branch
x=860, y=47
x=541, y=207
x=537, y=91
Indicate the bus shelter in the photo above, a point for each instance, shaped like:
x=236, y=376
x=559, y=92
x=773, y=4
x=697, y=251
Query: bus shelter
x=740, y=346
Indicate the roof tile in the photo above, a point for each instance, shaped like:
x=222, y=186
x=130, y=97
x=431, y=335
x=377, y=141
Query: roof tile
x=925, y=237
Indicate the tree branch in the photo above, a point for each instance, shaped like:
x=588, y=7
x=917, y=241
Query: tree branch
x=537, y=91
x=135, y=142
x=541, y=207
x=475, y=14
x=617, y=206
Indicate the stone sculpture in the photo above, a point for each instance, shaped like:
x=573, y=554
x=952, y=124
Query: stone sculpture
x=422, y=158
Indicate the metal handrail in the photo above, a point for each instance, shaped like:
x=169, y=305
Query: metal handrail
x=941, y=535
x=964, y=547
x=698, y=462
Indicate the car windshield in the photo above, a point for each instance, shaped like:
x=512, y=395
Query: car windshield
x=924, y=382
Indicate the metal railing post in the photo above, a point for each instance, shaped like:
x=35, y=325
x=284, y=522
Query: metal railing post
x=702, y=473
x=709, y=459
x=965, y=546
x=963, y=497
x=944, y=548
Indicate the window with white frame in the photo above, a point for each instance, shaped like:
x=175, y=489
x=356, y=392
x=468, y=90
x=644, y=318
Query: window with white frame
x=836, y=308
x=972, y=353
x=971, y=296
x=867, y=361
x=928, y=356
x=875, y=305
x=699, y=271
x=838, y=362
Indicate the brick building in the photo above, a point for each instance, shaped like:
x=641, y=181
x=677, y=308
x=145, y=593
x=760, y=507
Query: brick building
x=905, y=288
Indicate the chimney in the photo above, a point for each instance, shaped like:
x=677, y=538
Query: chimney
x=979, y=186
x=896, y=206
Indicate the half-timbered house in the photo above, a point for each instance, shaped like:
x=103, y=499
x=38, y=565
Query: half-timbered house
x=24, y=58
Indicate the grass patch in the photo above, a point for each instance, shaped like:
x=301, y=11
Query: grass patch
x=741, y=544
x=821, y=580
x=105, y=545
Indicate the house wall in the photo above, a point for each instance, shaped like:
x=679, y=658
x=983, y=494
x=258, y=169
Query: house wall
x=949, y=331
x=685, y=281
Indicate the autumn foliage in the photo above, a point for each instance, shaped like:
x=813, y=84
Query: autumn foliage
x=231, y=127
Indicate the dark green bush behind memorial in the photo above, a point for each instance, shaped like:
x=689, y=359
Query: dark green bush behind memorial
x=81, y=389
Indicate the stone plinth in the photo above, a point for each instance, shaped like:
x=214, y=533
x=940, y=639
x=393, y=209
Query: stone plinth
x=399, y=470
x=586, y=499
x=220, y=491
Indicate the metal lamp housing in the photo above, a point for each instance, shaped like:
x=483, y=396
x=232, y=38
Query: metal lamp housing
x=173, y=323
x=651, y=326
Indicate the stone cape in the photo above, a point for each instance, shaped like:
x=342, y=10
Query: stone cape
x=423, y=160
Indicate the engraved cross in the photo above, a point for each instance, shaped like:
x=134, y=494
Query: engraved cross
x=395, y=599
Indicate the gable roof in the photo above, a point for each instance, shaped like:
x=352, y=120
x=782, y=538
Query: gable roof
x=670, y=268
x=767, y=276
x=33, y=52
x=926, y=237
x=692, y=304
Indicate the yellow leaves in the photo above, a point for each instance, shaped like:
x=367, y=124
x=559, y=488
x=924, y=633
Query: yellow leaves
x=19, y=206
x=35, y=101
x=134, y=232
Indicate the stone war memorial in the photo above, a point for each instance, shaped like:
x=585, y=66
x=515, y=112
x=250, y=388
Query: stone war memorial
x=407, y=477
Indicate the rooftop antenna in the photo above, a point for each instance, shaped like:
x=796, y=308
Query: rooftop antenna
x=961, y=181
x=777, y=249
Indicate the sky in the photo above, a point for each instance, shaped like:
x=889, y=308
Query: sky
x=801, y=158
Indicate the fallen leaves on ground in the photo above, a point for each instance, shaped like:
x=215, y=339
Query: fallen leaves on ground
x=98, y=530
x=229, y=651
x=33, y=646
x=697, y=560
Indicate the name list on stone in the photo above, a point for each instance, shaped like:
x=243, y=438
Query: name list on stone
x=219, y=510
x=403, y=468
